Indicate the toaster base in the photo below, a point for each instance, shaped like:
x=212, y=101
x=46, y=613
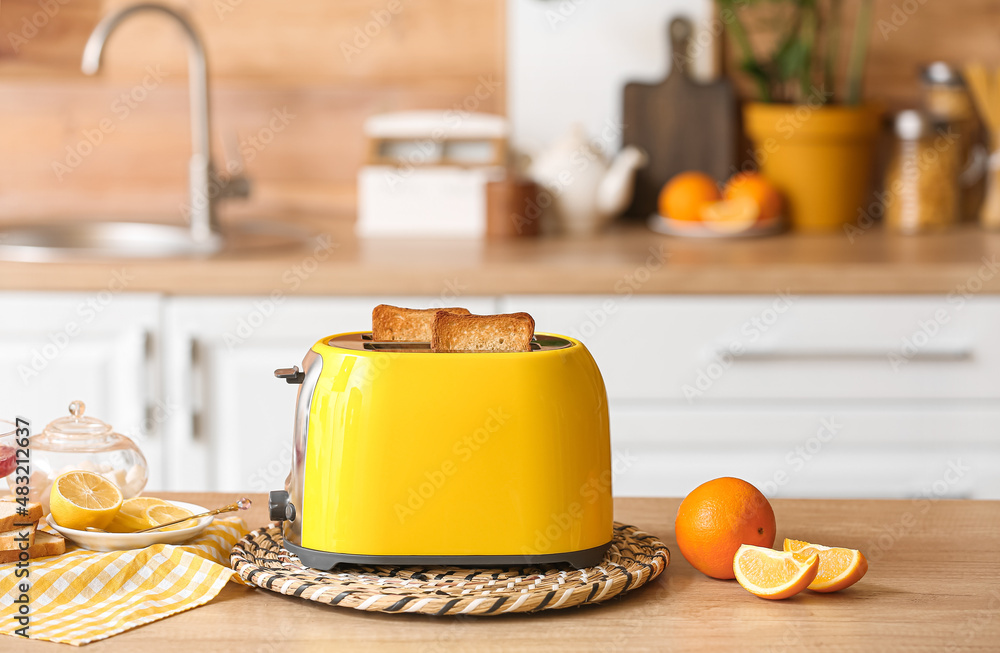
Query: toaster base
x=325, y=560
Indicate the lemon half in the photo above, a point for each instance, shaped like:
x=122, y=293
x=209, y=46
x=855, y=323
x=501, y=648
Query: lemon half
x=80, y=499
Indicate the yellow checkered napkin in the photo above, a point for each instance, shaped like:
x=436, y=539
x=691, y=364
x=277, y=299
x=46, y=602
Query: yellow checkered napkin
x=83, y=596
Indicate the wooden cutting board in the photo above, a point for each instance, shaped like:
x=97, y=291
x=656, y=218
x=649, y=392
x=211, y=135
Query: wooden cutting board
x=681, y=124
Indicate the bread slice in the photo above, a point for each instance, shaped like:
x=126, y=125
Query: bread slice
x=46, y=544
x=505, y=332
x=9, y=516
x=392, y=323
x=9, y=539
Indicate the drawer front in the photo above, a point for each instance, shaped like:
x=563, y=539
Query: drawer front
x=899, y=451
x=700, y=349
x=232, y=429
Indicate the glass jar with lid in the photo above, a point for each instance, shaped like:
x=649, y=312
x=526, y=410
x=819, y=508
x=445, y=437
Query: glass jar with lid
x=79, y=441
x=922, y=180
x=947, y=100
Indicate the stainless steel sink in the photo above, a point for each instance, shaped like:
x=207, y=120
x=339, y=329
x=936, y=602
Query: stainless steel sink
x=82, y=239
x=203, y=235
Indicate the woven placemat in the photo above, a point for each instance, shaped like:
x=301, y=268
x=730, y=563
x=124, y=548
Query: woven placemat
x=634, y=559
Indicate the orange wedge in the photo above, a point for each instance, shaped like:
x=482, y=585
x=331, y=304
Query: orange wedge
x=731, y=216
x=772, y=574
x=838, y=567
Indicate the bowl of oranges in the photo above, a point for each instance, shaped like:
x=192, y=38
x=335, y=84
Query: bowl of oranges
x=693, y=204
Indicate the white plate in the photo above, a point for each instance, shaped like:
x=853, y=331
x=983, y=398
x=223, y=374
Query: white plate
x=126, y=541
x=685, y=229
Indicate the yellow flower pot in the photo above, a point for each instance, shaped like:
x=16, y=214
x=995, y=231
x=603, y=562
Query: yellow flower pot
x=819, y=157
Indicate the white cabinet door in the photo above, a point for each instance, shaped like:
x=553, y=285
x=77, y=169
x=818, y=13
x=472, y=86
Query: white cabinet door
x=914, y=378
x=898, y=450
x=100, y=348
x=697, y=349
x=233, y=432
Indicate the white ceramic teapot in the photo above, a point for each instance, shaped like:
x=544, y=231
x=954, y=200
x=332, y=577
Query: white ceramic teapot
x=587, y=191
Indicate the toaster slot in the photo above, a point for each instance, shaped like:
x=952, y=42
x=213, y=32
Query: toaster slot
x=396, y=345
x=364, y=342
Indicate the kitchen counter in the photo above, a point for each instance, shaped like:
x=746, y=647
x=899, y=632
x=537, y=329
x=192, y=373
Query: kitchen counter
x=627, y=259
x=931, y=586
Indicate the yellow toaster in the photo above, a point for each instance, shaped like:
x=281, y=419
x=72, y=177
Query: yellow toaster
x=405, y=456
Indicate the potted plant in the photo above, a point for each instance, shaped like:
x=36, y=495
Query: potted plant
x=815, y=144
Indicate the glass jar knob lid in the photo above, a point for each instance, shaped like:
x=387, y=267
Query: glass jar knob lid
x=77, y=423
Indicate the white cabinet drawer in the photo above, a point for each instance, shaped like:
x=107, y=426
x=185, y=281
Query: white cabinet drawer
x=101, y=348
x=898, y=451
x=233, y=431
x=699, y=349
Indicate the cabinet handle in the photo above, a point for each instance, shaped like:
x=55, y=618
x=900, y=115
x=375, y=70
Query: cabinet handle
x=197, y=389
x=833, y=355
x=151, y=387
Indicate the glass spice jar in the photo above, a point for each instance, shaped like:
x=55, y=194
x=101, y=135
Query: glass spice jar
x=85, y=443
x=922, y=179
x=947, y=99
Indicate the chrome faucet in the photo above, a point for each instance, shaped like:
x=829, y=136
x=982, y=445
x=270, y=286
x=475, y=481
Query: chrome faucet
x=202, y=174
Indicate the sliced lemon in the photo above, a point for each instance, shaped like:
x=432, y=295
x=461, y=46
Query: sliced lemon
x=164, y=514
x=132, y=515
x=731, y=216
x=80, y=499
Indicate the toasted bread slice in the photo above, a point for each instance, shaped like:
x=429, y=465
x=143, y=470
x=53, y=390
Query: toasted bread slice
x=9, y=516
x=392, y=323
x=505, y=332
x=46, y=544
x=9, y=539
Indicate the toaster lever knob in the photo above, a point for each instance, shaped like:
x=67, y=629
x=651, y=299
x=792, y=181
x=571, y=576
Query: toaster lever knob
x=290, y=374
x=278, y=506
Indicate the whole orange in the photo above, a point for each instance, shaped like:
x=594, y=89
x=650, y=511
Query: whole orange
x=684, y=196
x=716, y=518
x=757, y=188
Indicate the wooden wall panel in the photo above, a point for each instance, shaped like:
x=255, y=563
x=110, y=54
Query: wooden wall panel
x=44, y=37
x=906, y=35
x=263, y=57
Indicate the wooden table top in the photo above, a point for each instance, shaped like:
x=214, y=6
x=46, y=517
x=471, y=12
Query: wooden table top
x=626, y=259
x=931, y=586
